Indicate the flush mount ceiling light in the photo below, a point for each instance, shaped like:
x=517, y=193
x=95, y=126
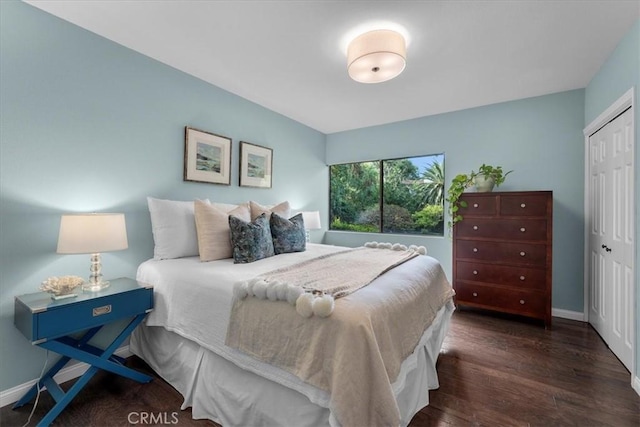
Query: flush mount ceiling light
x=376, y=56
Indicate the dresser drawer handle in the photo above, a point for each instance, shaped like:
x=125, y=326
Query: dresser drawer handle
x=522, y=278
x=523, y=205
x=475, y=249
x=522, y=253
x=522, y=301
x=475, y=272
x=99, y=311
x=523, y=229
x=475, y=294
x=475, y=205
x=475, y=227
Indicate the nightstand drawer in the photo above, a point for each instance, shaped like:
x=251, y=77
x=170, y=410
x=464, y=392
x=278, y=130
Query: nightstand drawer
x=40, y=318
x=85, y=315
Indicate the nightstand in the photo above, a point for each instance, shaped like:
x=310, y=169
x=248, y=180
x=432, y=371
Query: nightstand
x=50, y=323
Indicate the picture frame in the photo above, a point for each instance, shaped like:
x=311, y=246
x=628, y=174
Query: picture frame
x=256, y=163
x=207, y=157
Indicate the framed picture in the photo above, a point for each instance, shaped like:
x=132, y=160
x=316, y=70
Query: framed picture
x=255, y=165
x=207, y=157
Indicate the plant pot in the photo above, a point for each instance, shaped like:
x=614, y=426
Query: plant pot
x=483, y=184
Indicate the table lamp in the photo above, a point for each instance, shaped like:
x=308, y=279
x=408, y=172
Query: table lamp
x=311, y=222
x=92, y=233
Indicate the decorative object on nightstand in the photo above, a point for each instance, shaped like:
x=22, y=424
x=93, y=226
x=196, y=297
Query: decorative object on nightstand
x=502, y=253
x=54, y=325
x=92, y=233
x=61, y=287
x=311, y=222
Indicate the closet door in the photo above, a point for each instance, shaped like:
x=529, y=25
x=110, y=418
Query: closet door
x=611, y=174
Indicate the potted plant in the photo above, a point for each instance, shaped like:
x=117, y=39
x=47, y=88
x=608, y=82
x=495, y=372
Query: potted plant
x=484, y=180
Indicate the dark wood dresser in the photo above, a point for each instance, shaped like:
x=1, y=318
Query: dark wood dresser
x=502, y=252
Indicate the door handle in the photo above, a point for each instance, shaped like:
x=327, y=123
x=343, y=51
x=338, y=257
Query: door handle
x=606, y=248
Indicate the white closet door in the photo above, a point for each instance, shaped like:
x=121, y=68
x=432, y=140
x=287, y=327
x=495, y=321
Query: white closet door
x=611, y=172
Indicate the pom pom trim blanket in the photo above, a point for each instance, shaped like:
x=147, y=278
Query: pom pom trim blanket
x=356, y=353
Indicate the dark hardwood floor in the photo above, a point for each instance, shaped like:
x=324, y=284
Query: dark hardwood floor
x=494, y=371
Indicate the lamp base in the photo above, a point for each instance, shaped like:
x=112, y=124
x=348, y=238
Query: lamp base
x=95, y=286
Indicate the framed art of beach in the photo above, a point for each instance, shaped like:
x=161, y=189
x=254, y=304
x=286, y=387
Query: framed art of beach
x=255, y=165
x=207, y=157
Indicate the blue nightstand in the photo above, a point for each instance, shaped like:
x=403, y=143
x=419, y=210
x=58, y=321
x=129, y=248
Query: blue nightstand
x=48, y=323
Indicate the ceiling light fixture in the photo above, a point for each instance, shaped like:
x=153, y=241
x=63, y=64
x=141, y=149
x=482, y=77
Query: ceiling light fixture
x=376, y=56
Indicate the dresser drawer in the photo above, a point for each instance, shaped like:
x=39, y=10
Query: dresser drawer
x=70, y=318
x=521, y=277
x=511, y=229
x=524, y=205
x=503, y=252
x=528, y=303
x=484, y=205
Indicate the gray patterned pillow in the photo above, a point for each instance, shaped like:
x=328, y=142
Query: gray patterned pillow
x=288, y=234
x=251, y=241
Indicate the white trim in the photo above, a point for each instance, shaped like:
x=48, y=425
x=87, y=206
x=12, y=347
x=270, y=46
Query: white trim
x=568, y=314
x=625, y=101
x=12, y=395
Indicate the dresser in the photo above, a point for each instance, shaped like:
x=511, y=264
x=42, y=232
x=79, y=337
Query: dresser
x=502, y=253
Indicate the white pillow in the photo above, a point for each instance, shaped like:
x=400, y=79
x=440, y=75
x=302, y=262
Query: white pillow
x=174, y=228
x=283, y=209
x=212, y=225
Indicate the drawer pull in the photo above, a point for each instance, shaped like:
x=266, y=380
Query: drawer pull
x=475, y=294
x=99, y=311
x=475, y=272
x=523, y=229
x=475, y=227
x=522, y=278
x=522, y=253
x=521, y=301
x=475, y=249
x=523, y=205
x=475, y=205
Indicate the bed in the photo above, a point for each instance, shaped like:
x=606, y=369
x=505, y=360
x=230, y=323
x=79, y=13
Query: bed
x=183, y=340
x=256, y=327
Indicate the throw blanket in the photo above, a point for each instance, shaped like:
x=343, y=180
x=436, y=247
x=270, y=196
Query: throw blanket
x=326, y=273
x=355, y=354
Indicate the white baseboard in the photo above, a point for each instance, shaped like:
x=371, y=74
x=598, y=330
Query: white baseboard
x=568, y=314
x=12, y=395
x=636, y=385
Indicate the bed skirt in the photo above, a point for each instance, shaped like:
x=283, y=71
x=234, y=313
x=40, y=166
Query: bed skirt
x=218, y=390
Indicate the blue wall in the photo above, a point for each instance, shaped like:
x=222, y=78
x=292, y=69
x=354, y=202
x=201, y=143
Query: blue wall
x=88, y=125
x=619, y=73
x=539, y=138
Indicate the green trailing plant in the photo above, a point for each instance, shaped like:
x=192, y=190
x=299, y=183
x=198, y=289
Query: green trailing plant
x=463, y=181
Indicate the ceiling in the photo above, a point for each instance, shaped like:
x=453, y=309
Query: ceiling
x=290, y=56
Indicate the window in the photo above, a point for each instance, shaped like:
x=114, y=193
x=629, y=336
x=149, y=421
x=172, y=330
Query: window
x=402, y=196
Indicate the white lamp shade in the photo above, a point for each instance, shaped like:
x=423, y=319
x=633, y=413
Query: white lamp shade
x=311, y=220
x=92, y=233
x=376, y=56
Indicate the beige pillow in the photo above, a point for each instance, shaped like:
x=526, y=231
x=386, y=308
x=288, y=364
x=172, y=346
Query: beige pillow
x=212, y=225
x=283, y=209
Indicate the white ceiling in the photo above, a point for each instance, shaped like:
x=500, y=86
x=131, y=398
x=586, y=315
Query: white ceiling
x=289, y=56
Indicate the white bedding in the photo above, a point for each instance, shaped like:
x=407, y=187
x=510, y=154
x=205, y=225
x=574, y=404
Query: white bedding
x=193, y=299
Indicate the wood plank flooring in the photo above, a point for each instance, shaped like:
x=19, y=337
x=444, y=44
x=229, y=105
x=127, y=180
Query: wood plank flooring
x=494, y=370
